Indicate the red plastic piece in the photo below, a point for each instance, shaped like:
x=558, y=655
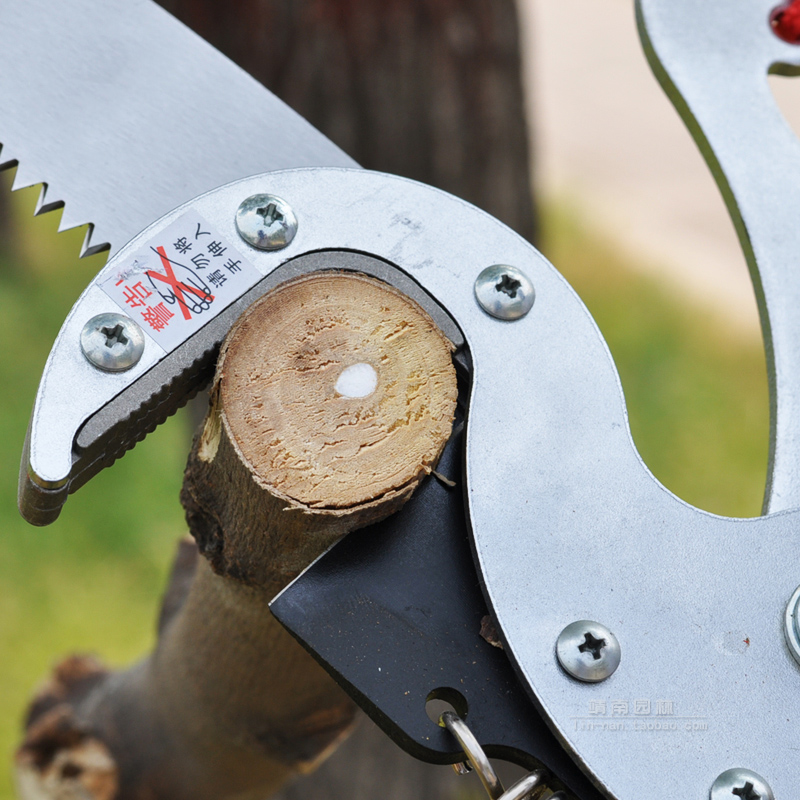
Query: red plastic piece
x=785, y=21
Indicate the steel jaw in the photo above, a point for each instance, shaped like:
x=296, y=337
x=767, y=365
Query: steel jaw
x=84, y=417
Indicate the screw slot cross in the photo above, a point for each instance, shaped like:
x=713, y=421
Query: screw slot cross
x=508, y=285
x=595, y=647
x=270, y=214
x=115, y=335
x=747, y=792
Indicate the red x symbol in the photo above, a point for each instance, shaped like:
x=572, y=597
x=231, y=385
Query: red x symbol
x=177, y=287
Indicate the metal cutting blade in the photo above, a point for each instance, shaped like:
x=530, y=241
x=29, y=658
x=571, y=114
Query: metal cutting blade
x=123, y=114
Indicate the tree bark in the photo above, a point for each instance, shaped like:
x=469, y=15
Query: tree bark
x=290, y=458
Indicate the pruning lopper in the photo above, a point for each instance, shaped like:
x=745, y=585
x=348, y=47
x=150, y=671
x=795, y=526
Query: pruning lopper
x=620, y=609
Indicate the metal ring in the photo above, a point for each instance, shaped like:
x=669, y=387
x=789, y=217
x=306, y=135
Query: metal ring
x=523, y=787
x=481, y=764
x=475, y=755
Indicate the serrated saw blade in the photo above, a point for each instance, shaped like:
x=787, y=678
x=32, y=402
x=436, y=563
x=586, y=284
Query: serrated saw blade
x=123, y=114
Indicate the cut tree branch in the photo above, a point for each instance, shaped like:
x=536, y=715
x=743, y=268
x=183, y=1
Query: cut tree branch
x=289, y=459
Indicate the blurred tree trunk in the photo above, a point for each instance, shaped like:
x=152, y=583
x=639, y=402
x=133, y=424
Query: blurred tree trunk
x=427, y=89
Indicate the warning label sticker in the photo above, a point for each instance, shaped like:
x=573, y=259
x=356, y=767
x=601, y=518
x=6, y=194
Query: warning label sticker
x=182, y=279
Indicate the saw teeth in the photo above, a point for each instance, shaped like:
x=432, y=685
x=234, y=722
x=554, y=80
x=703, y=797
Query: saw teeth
x=44, y=205
x=6, y=162
x=23, y=179
x=90, y=249
x=68, y=220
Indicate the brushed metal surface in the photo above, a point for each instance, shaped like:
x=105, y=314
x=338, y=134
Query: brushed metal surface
x=713, y=63
x=124, y=113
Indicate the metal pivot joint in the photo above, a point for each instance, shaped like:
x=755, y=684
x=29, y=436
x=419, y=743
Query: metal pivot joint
x=266, y=222
x=791, y=625
x=505, y=292
x=740, y=784
x=112, y=342
x=588, y=651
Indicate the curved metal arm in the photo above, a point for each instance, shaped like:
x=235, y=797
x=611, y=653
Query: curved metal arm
x=712, y=60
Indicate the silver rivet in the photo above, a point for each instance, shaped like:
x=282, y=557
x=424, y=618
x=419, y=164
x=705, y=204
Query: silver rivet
x=740, y=784
x=112, y=342
x=266, y=222
x=588, y=651
x=791, y=625
x=504, y=292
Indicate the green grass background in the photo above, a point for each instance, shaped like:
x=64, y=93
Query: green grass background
x=696, y=390
x=91, y=581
